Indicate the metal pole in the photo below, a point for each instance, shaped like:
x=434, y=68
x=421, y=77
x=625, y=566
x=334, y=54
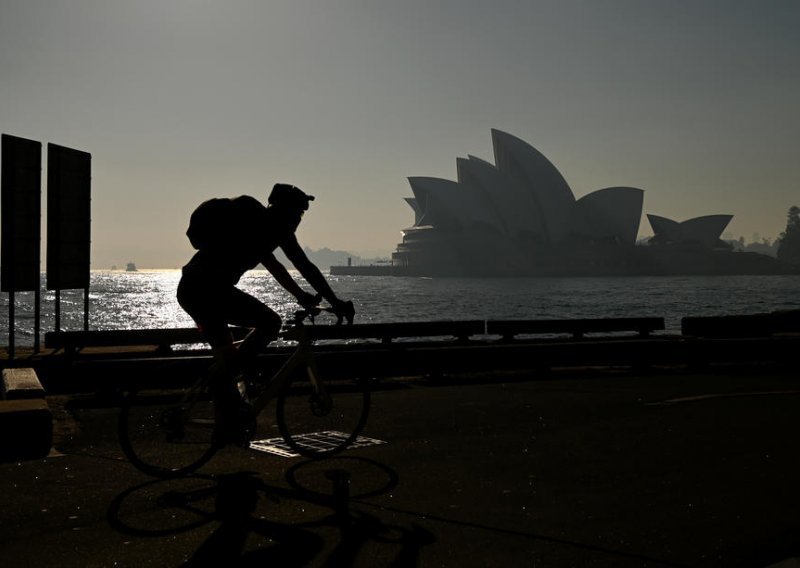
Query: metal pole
x=37, y=319
x=58, y=310
x=11, y=324
x=86, y=309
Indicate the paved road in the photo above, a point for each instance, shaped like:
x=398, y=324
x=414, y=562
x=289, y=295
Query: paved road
x=601, y=470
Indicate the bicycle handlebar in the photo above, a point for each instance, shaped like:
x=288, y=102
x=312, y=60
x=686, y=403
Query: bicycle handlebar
x=347, y=313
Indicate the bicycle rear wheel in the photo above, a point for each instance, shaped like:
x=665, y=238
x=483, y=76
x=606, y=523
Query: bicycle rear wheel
x=323, y=419
x=168, y=433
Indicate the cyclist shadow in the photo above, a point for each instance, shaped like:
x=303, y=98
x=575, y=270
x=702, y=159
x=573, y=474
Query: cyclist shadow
x=232, y=501
x=236, y=501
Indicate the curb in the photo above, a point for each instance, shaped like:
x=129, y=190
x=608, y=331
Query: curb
x=26, y=422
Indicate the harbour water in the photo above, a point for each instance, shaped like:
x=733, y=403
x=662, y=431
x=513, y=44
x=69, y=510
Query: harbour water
x=146, y=299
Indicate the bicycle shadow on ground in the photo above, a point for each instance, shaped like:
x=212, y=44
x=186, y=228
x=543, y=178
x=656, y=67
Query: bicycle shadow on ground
x=313, y=522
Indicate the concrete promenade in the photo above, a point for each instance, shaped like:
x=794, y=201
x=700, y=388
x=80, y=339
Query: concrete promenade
x=579, y=468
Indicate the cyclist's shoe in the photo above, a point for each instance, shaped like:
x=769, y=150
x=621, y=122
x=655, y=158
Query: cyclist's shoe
x=235, y=424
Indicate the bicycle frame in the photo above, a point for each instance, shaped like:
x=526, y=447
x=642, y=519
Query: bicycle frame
x=303, y=356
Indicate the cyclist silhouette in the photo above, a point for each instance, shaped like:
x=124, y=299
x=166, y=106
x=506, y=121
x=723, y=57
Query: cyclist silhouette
x=233, y=236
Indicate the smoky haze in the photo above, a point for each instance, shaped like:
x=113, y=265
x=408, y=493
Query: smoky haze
x=181, y=101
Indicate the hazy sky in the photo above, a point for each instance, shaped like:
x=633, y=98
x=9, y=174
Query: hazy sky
x=696, y=102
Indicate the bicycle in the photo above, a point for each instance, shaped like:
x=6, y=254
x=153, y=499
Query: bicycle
x=169, y=433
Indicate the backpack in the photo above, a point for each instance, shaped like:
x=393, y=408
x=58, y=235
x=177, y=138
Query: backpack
x=209, y=222
x=220, y=221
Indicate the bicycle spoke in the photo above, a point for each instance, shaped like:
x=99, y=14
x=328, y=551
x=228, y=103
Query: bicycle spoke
x=319, y=424
x=167, y=434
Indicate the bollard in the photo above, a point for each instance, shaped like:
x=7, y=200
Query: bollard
x=340, y=479
x=21, y=383
x=26, y=429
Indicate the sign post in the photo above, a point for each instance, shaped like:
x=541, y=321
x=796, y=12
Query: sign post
x=69, y=179
x=20, y=254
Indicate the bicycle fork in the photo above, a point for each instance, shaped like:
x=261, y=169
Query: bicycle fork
x=319, y=399
x=302, y=360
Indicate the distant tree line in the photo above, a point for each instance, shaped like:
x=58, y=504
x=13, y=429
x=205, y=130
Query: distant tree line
x=786, y=247
x=789, y=241
x=761, y=246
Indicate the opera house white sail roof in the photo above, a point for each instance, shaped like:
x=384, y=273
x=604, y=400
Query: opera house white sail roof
x=704, y=230
x=523, y=194
x=519, y=216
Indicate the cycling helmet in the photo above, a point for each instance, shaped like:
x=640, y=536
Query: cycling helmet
x=289, y=196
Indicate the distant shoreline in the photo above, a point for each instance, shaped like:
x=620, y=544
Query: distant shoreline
x=590, y=262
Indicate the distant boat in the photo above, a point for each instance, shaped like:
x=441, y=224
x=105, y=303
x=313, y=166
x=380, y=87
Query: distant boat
x=131, y=267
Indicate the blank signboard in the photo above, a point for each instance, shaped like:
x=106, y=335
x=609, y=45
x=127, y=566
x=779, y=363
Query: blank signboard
x=21, y=214
x=69, y=179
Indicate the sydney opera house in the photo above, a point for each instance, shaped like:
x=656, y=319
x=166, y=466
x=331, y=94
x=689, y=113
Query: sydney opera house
x=519, y=217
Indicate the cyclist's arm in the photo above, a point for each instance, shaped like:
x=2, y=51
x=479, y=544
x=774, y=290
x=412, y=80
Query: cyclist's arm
x=282, y=275
x=308, y=269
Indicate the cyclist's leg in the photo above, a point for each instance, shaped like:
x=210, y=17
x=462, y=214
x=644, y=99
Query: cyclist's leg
x=213, y=308
x=207, y=303
x=247, y=311
x=236, y=419
x=233, y=417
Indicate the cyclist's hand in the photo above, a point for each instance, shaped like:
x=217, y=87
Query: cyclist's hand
x=343, y=310
x=307, y=300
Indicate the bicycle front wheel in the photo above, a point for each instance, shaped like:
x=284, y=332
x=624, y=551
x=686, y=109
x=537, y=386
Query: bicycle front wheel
x=319, y=419
x=167, y=433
